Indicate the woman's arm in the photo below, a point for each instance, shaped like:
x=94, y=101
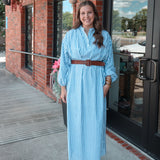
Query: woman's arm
x=64, y=67
x=109, y=69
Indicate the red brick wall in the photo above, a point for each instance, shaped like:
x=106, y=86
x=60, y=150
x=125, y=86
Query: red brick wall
x=42, y=38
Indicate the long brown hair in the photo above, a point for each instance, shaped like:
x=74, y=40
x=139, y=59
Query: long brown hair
x=96, y=24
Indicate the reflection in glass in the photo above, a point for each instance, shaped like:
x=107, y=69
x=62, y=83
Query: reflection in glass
x=29, y=36
x=63, y=20
x=57, y=27
x=129, y=20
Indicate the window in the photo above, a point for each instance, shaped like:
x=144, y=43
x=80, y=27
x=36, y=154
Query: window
x=63, y=20
x=2, y=27
x=57, y=28
x=29, y=37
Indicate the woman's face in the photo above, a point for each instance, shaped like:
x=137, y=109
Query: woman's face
x=87, y=16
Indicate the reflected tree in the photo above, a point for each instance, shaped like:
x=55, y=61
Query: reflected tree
x=136, y=23
x=140, y=20
x=67, y=21
x=129, y=25
x=116, y=21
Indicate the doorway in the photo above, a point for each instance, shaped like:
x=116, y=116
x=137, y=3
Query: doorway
x=133, y=100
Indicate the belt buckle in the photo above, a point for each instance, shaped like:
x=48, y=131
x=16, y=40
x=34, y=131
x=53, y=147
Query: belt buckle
x=88, y=62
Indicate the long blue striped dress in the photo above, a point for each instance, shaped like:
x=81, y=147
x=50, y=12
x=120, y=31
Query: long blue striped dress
x=86, y=105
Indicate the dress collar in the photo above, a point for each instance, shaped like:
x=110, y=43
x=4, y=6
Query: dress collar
x=90, y=30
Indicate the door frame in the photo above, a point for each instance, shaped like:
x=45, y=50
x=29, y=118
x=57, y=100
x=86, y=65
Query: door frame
x=139, y=135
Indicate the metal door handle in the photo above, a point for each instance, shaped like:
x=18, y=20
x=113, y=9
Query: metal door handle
x=155, y=71
x=142, y=70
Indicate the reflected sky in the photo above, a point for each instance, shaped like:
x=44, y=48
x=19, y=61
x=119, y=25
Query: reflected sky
x=67, y=7
x=128, y=8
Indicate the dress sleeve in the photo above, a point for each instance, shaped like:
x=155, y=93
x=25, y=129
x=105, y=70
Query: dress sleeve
x=109, y=61
x=64, y=62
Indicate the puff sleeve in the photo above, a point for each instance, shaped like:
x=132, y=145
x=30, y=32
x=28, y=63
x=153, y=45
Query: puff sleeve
x=109, y=61
x=64, y=62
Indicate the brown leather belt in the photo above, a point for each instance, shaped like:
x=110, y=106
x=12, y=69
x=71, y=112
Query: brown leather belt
x=88, y=62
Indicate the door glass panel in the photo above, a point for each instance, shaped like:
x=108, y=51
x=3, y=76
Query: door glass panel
x=129, y=19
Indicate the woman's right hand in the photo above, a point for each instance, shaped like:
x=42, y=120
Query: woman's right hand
x=64, y=94
x=105, y=89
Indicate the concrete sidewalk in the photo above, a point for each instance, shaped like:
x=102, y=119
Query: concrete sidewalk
x=54, y=147
x=31, y=125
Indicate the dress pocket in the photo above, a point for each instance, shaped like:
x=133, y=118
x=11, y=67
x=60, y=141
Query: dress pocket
x=103, y=77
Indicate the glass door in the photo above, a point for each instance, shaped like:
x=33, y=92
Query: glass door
x=133, y=27
x=126, y=97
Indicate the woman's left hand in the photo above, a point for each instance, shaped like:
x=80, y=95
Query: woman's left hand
x=105, y=89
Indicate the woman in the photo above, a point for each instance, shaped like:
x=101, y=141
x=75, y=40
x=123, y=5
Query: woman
x=85, y=75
